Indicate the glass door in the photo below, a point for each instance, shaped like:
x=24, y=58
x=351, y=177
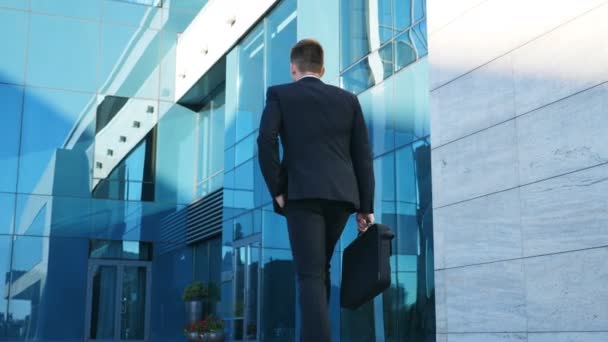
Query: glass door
x=246, y=289
x=118, y=297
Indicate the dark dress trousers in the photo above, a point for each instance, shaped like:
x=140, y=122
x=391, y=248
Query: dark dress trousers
x=325, y=175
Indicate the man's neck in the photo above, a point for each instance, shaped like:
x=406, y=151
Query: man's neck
x=310, y=75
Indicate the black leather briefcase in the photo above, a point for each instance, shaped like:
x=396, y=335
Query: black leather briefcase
x=366, y=270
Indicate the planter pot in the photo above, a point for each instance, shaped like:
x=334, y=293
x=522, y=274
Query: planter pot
x=194, y=337
x=194, y=311
x=218, y=336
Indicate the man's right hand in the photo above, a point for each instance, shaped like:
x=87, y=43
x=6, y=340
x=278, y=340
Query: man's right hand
x=364, y=221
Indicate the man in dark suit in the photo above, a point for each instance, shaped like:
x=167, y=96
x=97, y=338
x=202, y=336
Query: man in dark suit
x=325, y=175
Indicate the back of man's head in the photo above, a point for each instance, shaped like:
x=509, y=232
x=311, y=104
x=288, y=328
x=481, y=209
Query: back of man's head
x=307, y=56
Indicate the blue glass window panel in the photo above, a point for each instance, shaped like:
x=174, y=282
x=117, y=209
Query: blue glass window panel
x=282, y=35
x=11, y=98
x=232, y=77
x=185, y=5
x=18, y=4
x=243, y=178
x=7, y=206
x=129, y=63
x=143, y=2
x=131, y=14
x=53, y=216
x=262, y=196
x=275, y=233
x=419, y=9
x=420, y=39
x=354, y=39
x=405, y=51
x=89, y=9
x=53, y=267
x=245, y=149
x=403, y=14
x=358, y=78
x=251, y=88
x=325, y=26
x=229, y=161
x=243, y=226
x=385, y=20
x=387, y=58
x=175, y=151
x=63, y=53
x=407, y=187
x=278, y=297
x=166, y=311
x=13, y=35
x=378, y=107
x=375, y=68
x=53, y=160
x=384, y=169
x=5, y=264
x=412, y=103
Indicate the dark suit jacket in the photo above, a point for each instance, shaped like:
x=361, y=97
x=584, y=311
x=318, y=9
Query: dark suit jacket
x=326, y=153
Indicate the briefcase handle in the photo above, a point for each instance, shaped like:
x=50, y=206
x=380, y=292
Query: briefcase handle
x=385, y=235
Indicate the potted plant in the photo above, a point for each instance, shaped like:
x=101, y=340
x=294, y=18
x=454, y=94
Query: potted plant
x=210, y=329
x=193, y=297
x=214, y=330
x=194, y=331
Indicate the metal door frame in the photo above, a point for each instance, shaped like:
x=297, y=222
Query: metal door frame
x=120, y=266
x=246, y=243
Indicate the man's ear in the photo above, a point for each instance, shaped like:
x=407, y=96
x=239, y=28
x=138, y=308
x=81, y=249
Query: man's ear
x=322, y=71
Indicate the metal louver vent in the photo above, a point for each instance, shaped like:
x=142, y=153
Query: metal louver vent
x=204, y=217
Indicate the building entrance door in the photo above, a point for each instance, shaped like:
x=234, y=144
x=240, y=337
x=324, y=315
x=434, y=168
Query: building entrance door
x=246, y=289
x=118, y=300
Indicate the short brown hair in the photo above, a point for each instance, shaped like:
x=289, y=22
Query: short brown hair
x=307, y=56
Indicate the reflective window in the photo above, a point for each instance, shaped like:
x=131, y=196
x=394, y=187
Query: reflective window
x=128, y=250
x=375, y=68
x=207, y=268
x=70, y=8
x=19, y=4
x=129, y=64
x=250, y=83
x=123, y=12
x=355, y=39
x=379, y=110
x=52, y=216
x=403, y=14
x=405, y=51
x=245, y=149
x=278, y=307
x=5, y=265
x=243, y=185
x=210, y=147
x=411, y=103
x=420, y=38
x=281, y=32
x=13, y=35
x=176, y=145
x=419, y=9
x=41, y=270
x=56, y=135
x=11, y=98
x=184, y=5
x=63, y=53
x=7, y=206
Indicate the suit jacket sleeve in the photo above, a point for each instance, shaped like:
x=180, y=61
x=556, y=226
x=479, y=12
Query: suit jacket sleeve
x=268, y=145
x=361, y=156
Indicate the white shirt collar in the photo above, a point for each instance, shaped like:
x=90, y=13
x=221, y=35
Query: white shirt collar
x=315, y=76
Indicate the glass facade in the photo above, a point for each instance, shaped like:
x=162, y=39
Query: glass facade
x=101, y=169
x=95, y=159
